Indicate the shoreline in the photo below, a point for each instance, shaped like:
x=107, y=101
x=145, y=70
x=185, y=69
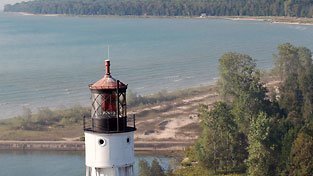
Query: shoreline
x=267, y=19
x=57, y=107
x=164, y=127
x=157, y=147
x=273, y=19
x=170, y=125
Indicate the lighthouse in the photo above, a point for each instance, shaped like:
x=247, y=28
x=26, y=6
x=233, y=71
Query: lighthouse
x=109, y=133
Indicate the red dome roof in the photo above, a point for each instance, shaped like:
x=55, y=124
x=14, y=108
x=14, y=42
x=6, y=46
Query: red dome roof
x=107, y=82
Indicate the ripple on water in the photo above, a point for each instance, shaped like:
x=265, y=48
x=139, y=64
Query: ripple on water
x=51, y=61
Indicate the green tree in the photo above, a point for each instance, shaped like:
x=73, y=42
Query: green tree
x=302, y=155
x=219, y=146
x=300, y=8
x=144, y=168
x=240, y=83
x=156, y=169
x=306, y=80
x=237, y=72
x=288, y=67
x=294, y=65
x=260, y=159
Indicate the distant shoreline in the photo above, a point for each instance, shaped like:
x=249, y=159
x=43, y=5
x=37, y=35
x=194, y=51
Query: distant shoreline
x=267, y=19
x=273, y=19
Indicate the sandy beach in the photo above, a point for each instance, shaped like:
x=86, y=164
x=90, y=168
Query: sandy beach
x=268, y=19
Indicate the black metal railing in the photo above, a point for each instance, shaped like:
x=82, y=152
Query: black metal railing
x=110, y=125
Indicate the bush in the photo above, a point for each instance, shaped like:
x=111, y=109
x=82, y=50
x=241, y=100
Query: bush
x=45, y=118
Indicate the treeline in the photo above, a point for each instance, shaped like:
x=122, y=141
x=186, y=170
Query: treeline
x=255, y=132
x=297, y=8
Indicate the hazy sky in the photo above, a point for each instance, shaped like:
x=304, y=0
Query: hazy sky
x=3, y=2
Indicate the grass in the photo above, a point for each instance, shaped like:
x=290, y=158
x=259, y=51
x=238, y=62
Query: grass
x=53, y=125
x=135, y=100
x=198, y=170
x=44, y=125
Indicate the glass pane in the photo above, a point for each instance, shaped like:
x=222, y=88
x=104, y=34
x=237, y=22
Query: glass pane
x=108, y=102
x=96, y=105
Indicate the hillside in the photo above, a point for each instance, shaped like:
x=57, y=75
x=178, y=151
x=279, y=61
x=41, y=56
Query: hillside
x=301, y=8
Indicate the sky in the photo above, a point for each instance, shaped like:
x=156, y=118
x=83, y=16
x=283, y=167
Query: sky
x=3, y=2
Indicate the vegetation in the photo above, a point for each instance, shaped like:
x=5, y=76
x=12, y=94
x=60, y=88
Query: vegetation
x=46, y=118
x=295, y=8
x=251, y=133
x=144, y=168
x=134, y=99
x=44, y=124
x=47, y=124
x=217, y=148
x=194, y=170
x=260, y=157
x=301, y=153
x=154, y=170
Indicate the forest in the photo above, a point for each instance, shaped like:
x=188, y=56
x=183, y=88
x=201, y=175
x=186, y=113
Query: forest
x=292, y=8
x=253, y=130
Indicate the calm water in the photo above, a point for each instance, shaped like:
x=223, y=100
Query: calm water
x=49, y=61
x=54, y=163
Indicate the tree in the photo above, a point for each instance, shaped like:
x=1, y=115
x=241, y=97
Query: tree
x=144, y=168
x=237, y=72
x=307, y=87
x=219, y=146
x=294, y=65
x=156, y=169
x=240, y=83
x=301, y=155
x=260, y=159
x=306, y=80
x=288, y=67
x=298, y=8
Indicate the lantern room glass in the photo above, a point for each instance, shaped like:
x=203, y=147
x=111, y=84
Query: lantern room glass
x=105, y=104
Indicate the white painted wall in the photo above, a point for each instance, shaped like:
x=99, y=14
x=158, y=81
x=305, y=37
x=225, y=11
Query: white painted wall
x=116, y=152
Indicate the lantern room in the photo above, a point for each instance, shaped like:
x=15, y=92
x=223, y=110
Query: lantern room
x=108, y=105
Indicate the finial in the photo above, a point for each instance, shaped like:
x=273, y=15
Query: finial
x=107, y=67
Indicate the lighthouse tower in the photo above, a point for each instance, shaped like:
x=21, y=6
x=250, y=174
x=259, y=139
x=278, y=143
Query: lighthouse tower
x=109, y=137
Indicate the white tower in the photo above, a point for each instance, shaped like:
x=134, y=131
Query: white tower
x=109, y=140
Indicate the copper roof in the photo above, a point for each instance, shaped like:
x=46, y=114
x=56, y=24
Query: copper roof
x=107, y=82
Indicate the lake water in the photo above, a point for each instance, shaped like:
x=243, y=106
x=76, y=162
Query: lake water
x=49, y=61
x=37, y=163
